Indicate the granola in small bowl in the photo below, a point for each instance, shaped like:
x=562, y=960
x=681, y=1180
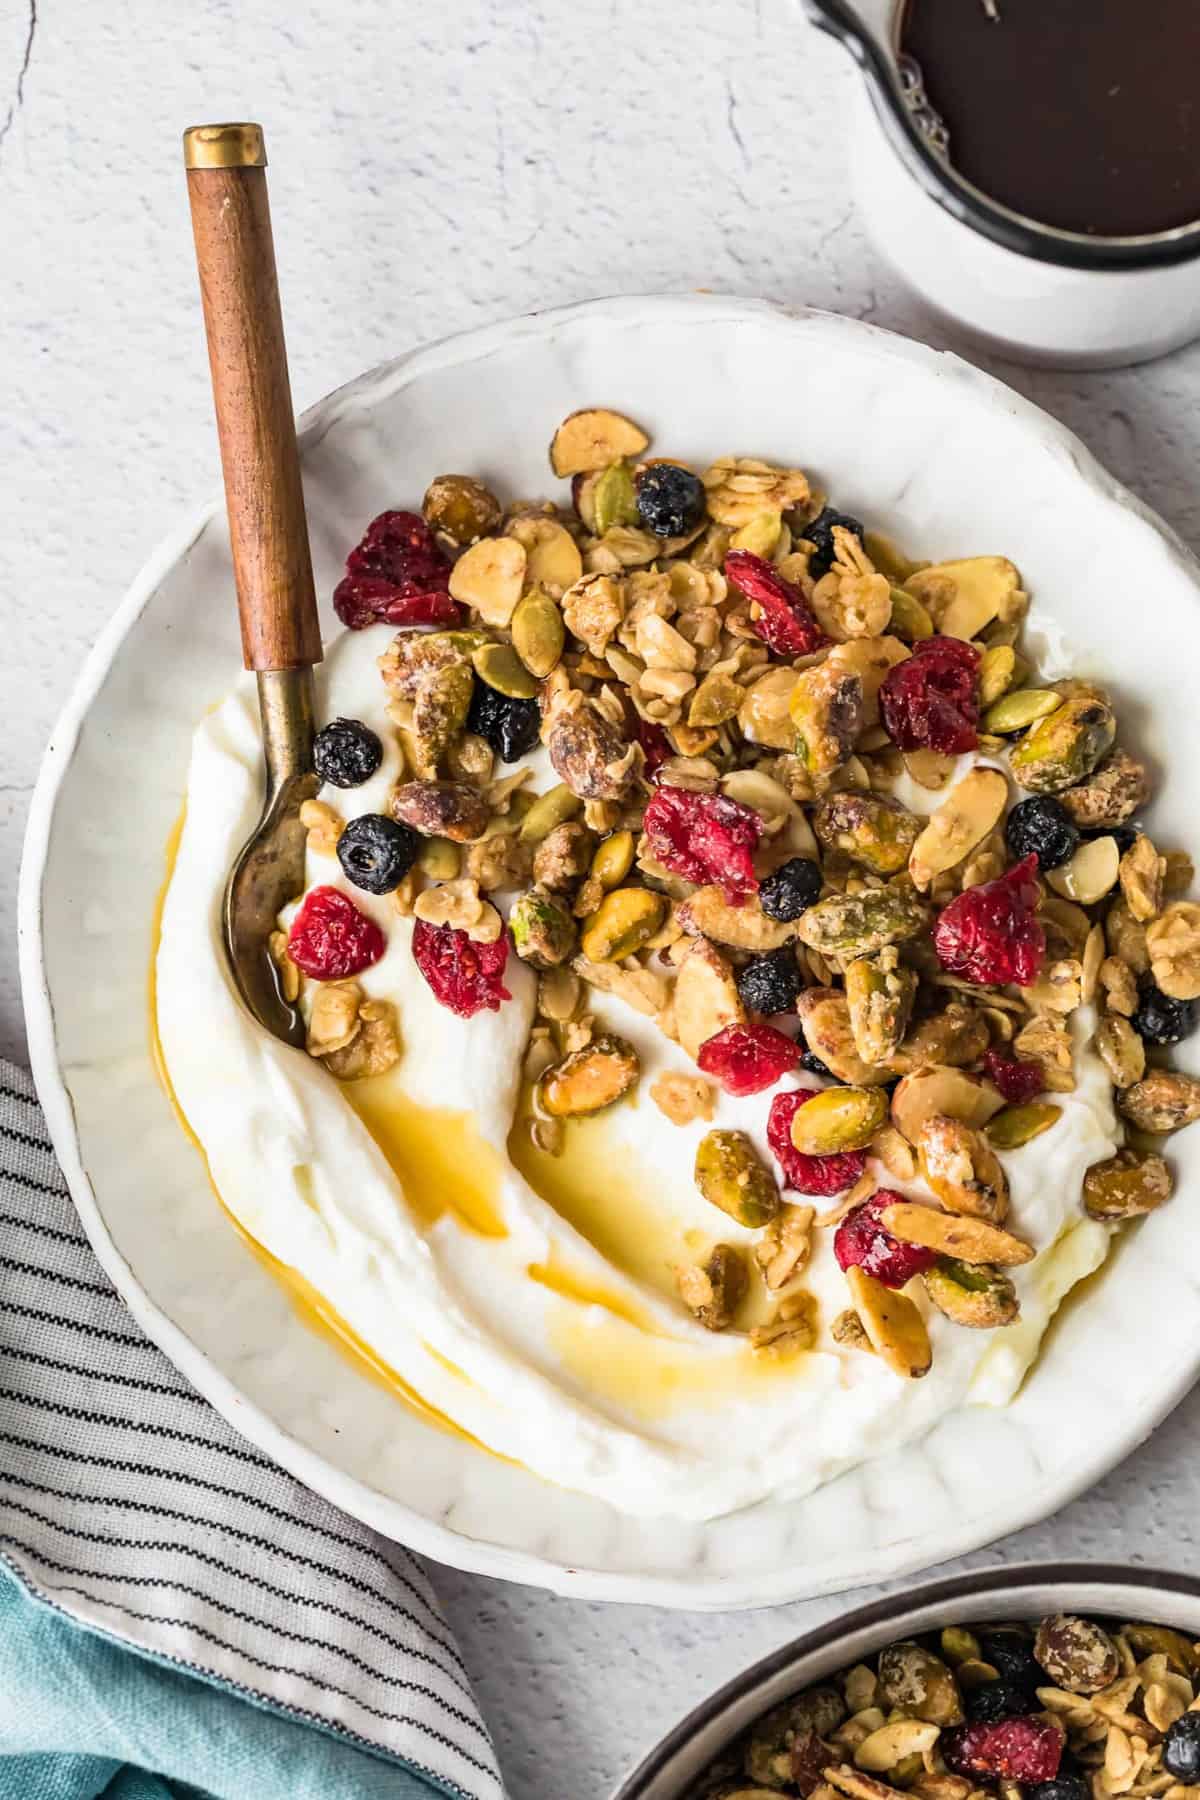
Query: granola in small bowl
x=738, y=987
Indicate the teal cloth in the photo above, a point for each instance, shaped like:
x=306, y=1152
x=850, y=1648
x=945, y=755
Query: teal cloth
x=83, y=1716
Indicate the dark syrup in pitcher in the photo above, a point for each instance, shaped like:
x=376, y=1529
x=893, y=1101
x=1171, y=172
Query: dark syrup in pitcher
x=1083, y=114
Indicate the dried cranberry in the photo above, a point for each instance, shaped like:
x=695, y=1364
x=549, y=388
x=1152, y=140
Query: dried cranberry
x=748, y=1058
x=1018, y=1081
x=783, y=620
x=862, y=1242
x=398, y=574
x=1023, y=1749
x=822, y=1175
x=656, y=745
x=930, y=701
x=464, y=975
x=330, y=939
x=704, y=838
x=991, y=933
x=811, y=1756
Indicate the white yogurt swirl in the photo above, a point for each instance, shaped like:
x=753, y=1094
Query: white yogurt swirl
x=544, y=1323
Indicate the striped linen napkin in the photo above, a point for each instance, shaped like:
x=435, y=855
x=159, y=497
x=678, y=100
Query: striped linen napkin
x=177, y=1614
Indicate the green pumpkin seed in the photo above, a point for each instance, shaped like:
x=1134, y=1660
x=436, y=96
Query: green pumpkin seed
x=537, y=632
x=502, y=669
x=614, y=501
x=1018, y=1125
x=1017, y=710
x=910, y=620
x=622, y=923
x=997, y=672
x=548, y=811
x=613, y=860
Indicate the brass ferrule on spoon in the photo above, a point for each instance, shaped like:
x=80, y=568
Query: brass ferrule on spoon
x=268, y=532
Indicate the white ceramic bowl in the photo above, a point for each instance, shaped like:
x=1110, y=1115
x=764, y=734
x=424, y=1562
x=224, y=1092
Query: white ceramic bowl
x=1029, y=1591
x=924, y=446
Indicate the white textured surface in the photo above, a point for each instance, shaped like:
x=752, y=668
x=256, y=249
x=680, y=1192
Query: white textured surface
x=432, y=171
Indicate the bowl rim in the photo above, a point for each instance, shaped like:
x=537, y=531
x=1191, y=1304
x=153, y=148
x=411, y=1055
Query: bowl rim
x=392, y=1517
x=1093, y=1580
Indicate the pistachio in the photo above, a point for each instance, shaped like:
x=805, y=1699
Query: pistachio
x=817, y=1713
x=839, y=1118
x=962, y=1169
x=589, y=1079
x=1165, y=1100
x=880, y=992
x=1018, y=1125
x=971, y=1294
x=826, y=710
x=730, y=1175
x=446, y=809
x=552, y=559
x=548, y=811
x=1173, y=948
x=1077, y=1654
x=854, y=925
x=893, y=1325
x=918, y=1683
x=1090, y=873
x=587, y=752
x=717, y=699
x=962, y=597
x=713, y=1289
x=1121, y=1050
x=1160, y=1640
x=956, y=1235
x=622, y=923
x=707, y=913
x=1020, y=709
x=970, y=810
x=439, y=713
x=614, y=859
x=942, y=1091
x=1064, y=747
x=1127, y=1185
x=910, y=620
x=501, y=668
x=884, y=1749
x=613, y=498
x=959, y=1645
x=543, y=932
x=825, y=1015
x=872, y=829
x=592, y=439
x=538, y=633
x=956, y=1036
x=706, y=997
x=1111, y=794
x=460, y=508
x=490, y=578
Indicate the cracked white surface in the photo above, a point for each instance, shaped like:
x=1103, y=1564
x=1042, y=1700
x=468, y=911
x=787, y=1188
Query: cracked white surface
x=433, y=170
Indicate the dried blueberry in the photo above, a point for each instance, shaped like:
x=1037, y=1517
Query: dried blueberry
x=670, y=500
x=1042, y=827
x=346, y=753
x=510, y=726
x=791, y=889
x=1125, y=836
x=820, y=533
x=376, y=853
x=1159, y=1019
x=1181, y=1749
x=1010, y=1653
x=997, y=1700
x=811, y=1061
x=1068, y=1784
x=771, y=983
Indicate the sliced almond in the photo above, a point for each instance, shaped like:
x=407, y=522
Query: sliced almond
x=964, y=818
x=929, y=768
x=706, y=997
x=970, y=1240
x=895, y=1328
x=490, y=577
x=962, y=597
x=552, y=559
x=592, y=439
x=884, y=1749
x=939, y=1089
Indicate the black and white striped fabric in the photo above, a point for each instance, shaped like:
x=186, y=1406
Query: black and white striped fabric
x=127, y=1502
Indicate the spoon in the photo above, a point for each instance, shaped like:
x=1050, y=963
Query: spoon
x=268, y=533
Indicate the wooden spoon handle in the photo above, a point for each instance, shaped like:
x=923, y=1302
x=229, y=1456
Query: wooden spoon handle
x=272, y=566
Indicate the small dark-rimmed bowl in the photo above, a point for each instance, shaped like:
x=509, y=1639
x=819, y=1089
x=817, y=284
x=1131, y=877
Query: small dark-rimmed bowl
x=1029, y=1591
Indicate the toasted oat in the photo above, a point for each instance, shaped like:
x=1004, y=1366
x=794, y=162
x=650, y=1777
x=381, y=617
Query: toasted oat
x=683, y=1098
x=324, y=826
